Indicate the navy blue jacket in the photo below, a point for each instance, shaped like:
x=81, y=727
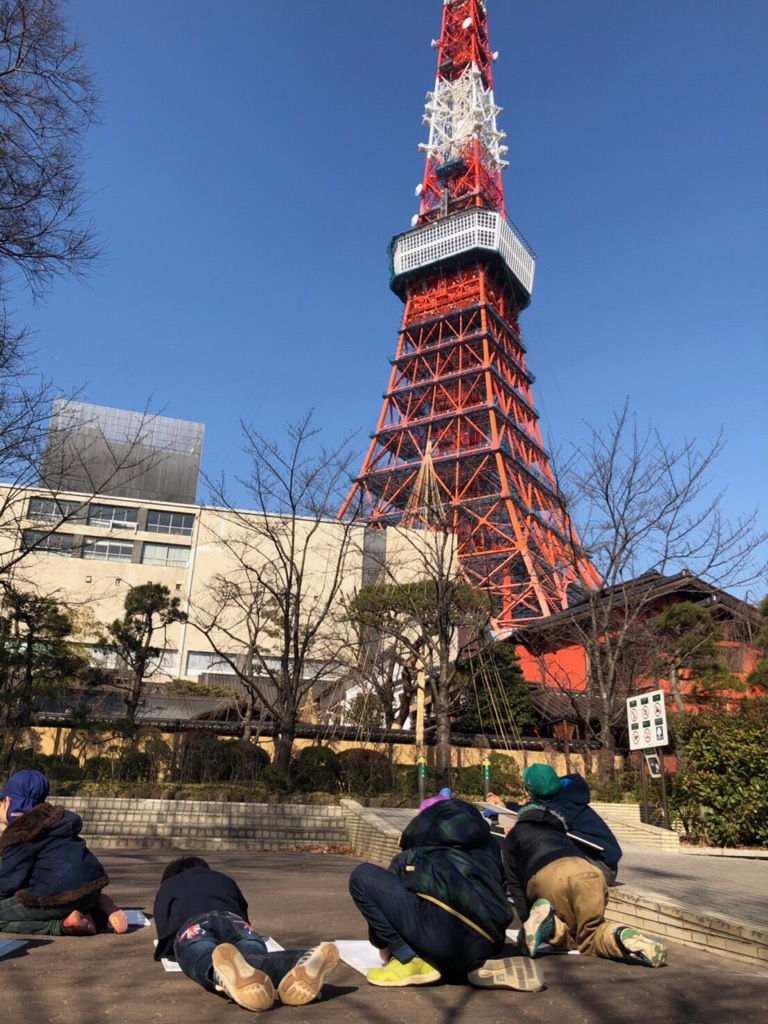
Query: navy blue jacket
x=572, y=804
x=189, y=894
x=45, y=863
x=537, y=839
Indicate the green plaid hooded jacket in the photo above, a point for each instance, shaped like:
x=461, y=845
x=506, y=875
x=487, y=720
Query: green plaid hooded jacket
x=450, y=857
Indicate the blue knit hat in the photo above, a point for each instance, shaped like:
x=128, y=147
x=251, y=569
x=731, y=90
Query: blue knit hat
x=26, y=789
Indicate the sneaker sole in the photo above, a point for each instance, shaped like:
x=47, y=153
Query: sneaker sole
x=245, y=985
x=515, y=972
x=302, y=983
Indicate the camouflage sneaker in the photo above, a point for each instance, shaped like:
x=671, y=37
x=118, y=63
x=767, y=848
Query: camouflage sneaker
x=539, y=927
x=515, y=972
x=636, y=946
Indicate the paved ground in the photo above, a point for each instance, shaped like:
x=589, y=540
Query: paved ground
x=729, y=887
x=302, y=898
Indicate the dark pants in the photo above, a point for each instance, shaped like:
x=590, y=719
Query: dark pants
x=400, y=918
x=21, y=920
x=197, y=939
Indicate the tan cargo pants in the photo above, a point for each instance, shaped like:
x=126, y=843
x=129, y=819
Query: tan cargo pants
x=578, y=894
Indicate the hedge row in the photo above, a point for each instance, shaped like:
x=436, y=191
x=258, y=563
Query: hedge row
x=208, y=761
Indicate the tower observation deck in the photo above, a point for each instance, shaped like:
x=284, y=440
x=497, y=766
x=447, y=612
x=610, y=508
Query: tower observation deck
x=459, y=392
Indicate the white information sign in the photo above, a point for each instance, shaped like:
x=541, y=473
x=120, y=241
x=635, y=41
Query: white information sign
x=647, y=721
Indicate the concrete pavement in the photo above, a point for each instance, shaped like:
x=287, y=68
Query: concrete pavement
x=301, y=899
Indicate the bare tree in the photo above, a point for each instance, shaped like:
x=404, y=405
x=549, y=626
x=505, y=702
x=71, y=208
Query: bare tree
x=47, y=103
x=647, y=515
x=272, y=616
x=424, y=606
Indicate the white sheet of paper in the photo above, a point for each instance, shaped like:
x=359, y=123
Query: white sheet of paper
x=8, y=945
x=172, y=967
x=137, y=919
x=359, y=954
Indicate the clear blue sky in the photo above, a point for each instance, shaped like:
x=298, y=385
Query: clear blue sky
x=254, y=159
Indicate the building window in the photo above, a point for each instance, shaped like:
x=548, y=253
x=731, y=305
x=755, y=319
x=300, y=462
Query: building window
x=103, y=549
x=180, y=523
x=165, y=554
x=113, y=517
x=103, y=657
x=47, y=543
x=207, y=661
x=106, y=657
x=49, y=510
x=166, y=662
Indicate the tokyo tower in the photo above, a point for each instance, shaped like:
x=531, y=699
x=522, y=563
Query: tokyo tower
x=458, y=425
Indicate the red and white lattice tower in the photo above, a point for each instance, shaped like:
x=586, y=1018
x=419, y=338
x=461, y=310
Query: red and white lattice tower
x=459, y=394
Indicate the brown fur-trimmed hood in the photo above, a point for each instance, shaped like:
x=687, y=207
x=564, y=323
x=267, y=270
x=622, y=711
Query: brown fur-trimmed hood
x=62, y=899
x=45, y=863
x=32, y=825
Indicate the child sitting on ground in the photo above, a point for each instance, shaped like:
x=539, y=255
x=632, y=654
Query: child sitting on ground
x=201, y=918
x=50, y=882
x=441, y=909
x=559, y=893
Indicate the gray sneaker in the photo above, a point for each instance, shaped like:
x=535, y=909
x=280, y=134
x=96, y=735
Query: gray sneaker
x=303, y=982
x=516, y=972
x=247, y=986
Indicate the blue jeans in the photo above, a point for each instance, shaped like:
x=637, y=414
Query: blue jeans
x=399, y=918
x=197, y=939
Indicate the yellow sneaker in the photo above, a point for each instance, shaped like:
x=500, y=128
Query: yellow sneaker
x=397, y=975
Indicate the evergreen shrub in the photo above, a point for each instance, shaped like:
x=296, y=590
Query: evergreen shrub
x=316, y=769
x=720, y=792
x=365, y=772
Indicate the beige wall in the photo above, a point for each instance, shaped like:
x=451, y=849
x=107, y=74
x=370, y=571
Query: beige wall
x=61, y=740
x=96, y=589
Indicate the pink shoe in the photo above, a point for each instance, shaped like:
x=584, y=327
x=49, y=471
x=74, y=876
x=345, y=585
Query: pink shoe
x=77, y=923
x=118, y=922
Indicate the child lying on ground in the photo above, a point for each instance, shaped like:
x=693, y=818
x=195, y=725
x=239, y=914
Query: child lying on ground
x=201, y=918
x=50, y=882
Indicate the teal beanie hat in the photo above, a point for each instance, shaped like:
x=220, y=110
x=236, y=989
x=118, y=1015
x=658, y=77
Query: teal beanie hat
x=542, y=782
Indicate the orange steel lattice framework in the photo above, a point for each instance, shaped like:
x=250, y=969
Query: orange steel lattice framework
x=459, y=394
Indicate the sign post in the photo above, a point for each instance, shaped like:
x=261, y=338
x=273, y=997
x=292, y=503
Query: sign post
x=647, y=725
